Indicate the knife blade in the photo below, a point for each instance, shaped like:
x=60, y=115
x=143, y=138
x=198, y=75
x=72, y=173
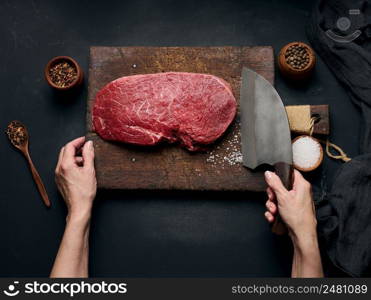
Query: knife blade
x=265, y=131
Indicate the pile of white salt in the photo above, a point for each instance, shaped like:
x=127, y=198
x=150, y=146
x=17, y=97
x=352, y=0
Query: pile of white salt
x=306, y=152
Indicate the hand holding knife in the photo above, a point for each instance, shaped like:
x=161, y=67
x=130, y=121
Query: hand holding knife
x=265, y=131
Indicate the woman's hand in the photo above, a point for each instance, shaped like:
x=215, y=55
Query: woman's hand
x=75, y=177
x=295, y=207
x=297, y=211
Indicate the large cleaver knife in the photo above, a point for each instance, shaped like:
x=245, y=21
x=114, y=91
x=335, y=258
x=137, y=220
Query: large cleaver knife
x=265, y=131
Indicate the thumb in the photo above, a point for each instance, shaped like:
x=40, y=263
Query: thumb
x=300, y=184
x=88, y=154
x=275, y=183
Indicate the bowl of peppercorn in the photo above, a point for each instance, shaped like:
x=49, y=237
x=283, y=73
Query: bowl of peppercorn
x=63, y=73
x=296, y=60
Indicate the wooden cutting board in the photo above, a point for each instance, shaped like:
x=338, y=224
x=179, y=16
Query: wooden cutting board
x=121, y=166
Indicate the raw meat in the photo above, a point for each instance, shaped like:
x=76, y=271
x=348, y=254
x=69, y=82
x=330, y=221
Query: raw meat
x=194, y=109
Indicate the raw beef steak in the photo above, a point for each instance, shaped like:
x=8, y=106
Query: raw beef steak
x=194, y=109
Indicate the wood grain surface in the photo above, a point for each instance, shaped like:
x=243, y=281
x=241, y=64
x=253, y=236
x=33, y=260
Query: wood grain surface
x=122, y=166
x=321, y=127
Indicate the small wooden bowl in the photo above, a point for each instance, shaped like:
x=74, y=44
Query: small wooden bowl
x=318, y=163
x=71, y=61
x=292, y=73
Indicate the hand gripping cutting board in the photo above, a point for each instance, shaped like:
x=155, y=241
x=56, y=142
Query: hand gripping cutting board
x=122, y=166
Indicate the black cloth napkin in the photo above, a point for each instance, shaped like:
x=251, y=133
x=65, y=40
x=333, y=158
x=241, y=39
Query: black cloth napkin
x=344, y=218
x=349, y=61
x=340, y=32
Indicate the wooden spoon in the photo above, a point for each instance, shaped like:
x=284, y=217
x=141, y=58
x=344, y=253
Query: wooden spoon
x=18, y=136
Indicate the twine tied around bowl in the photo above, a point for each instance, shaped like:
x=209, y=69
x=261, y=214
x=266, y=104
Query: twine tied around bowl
x=301, y=120
x=342, y=155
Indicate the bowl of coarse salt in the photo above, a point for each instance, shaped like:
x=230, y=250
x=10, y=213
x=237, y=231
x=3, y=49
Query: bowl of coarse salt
x=307, y=153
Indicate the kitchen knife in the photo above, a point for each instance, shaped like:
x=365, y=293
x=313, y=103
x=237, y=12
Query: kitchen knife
x=265, y=131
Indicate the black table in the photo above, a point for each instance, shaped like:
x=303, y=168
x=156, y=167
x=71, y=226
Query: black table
x=142, y=233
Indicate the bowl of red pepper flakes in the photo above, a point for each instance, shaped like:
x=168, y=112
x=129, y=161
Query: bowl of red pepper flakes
x=63, y=73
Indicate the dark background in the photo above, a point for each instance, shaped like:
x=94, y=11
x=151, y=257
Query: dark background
x=142, y=233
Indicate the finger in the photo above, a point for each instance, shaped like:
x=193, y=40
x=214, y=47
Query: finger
x=271, y=195
x=275, y=183
x=271, y=207
x=71, y=148
x=79, y=160
x=300, y=183
x=60, y=157
x=269, y=217
x=298, y=178
x=88, y=154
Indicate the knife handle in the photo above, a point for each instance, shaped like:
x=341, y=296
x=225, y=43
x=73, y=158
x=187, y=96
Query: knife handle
x=285, y=173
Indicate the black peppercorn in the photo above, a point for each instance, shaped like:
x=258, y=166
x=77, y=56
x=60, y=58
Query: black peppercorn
x=297, y=56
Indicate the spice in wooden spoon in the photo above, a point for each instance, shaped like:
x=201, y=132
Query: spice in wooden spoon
x=18, y=136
